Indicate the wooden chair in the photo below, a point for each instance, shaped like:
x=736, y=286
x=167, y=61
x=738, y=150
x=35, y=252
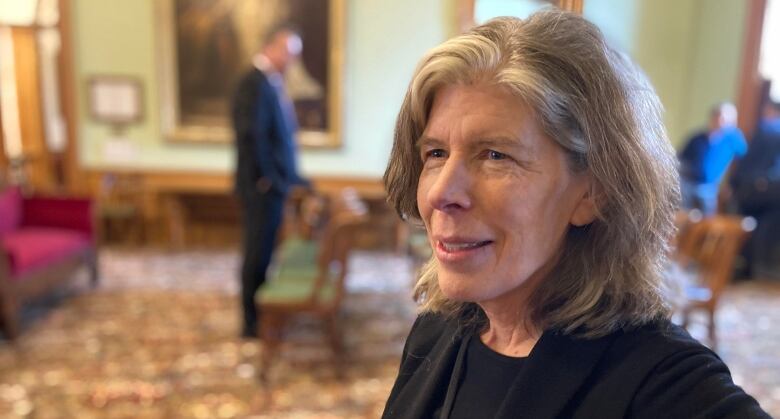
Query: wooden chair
x=683, y=220
x=120, y=209
x=710, y=247
x=310, y=280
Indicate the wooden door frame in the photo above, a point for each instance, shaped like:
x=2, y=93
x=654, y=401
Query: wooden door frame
x=74, y=176
x=750, y=81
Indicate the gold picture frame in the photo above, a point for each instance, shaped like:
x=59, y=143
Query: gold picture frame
x=192, y=54
x=466, y=10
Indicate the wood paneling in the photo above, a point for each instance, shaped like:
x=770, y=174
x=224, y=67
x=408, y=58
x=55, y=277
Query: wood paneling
x=186, y=208
x=571, y=5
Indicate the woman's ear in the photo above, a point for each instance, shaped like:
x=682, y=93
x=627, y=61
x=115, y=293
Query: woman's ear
x=587, y=208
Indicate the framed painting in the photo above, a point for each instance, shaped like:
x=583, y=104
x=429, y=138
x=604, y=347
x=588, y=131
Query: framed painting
x=205, y=46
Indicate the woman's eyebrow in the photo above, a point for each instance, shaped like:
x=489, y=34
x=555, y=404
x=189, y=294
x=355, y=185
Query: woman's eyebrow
x=489, y=140
x=500, y=141
x=504, y=141
x=426, y=141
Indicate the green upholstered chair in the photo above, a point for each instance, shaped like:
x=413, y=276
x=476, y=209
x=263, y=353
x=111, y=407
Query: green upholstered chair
x=309, y=280
x=297, y=276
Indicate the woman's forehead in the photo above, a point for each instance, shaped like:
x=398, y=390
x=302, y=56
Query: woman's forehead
x=477, y=100
x=484, y=113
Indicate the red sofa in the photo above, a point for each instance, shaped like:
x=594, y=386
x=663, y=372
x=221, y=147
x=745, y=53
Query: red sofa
x=42, y=241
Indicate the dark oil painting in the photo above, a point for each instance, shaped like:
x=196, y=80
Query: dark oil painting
x=215, y=42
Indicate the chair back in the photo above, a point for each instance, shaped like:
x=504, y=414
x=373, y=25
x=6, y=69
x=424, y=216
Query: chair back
x=312, y=268
x=712, y=244
x=681, y=241
x=312, y=278
x=347, y=215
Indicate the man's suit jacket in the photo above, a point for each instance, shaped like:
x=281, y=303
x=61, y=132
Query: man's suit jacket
x=657, y=371
x=756, y=179
x=265, y=145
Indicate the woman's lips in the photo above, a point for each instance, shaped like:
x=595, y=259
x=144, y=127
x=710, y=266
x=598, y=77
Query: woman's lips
x=460, y=250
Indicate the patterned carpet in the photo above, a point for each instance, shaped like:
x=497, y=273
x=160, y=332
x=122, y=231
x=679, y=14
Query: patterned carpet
x=157, y=339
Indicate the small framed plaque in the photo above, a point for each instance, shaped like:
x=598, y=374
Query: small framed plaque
x=115, y=100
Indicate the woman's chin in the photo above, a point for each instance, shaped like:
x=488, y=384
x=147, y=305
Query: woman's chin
x=458, y=291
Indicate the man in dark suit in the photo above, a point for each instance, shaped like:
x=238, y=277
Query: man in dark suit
x=265, y=125
x=756, y=185
x=756, y=180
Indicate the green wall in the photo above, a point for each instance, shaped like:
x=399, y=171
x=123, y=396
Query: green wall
x=690, y=50
x=384, y=40
x=717, y=58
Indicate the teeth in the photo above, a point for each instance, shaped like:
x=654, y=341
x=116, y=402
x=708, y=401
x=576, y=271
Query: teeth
x=460, y=246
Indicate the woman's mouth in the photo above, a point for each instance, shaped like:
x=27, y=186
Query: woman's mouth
x=460, y=250
x=452, y=247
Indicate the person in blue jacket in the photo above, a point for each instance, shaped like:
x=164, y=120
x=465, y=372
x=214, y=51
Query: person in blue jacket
x=706, y=158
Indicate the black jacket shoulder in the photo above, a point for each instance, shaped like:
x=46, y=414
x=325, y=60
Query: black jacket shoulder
x=657, y=370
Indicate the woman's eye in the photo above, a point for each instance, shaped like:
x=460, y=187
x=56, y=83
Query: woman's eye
x=436, y=153
x=495, y=155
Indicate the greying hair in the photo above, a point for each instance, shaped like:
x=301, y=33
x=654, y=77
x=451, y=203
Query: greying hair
x=606, y=116
x=725, y=110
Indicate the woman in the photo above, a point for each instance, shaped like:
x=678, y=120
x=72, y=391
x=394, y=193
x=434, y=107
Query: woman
x=536, y=158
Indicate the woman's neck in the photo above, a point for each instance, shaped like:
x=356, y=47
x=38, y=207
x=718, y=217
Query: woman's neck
x=509, y=336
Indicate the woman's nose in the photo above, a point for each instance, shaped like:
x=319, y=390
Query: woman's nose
x=451, y=188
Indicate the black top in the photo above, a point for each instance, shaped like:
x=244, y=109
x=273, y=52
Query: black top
x=653, y=371
x=485, y=381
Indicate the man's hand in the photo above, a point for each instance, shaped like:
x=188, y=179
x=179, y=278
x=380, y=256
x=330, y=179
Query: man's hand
x=263, y=185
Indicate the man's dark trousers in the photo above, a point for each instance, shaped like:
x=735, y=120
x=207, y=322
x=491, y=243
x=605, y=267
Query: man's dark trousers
x=262, y=217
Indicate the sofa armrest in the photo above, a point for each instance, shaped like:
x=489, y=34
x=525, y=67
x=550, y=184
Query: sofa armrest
x=5, y=271
x=69, y=213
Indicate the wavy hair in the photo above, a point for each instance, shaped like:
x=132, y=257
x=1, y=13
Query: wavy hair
x=604, y=113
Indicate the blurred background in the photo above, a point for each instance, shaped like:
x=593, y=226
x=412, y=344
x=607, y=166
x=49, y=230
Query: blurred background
x=121, y=234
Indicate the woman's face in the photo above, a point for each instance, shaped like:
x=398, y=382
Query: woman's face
x=495, y=194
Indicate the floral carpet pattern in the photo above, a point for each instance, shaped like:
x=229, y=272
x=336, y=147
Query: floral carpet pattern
x=158, y=339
